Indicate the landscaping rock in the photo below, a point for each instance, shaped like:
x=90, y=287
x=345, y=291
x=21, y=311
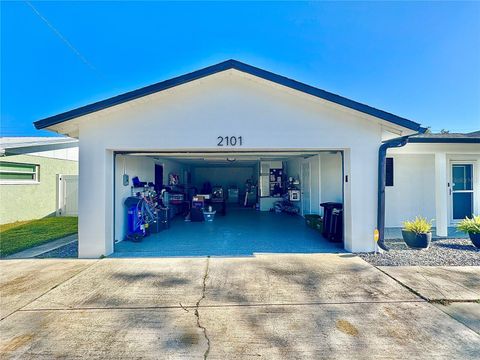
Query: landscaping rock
x=442, y=252
x=67, y=251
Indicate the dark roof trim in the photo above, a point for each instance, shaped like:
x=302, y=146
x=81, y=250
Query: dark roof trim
x=40, y=148
x=438, y=140
x=226, y=65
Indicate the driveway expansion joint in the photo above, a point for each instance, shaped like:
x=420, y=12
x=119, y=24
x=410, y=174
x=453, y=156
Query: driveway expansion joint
x=187, y=308
x=402, y=284
x=52, y=288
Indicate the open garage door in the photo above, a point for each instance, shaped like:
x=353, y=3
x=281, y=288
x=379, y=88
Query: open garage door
x=225, y=204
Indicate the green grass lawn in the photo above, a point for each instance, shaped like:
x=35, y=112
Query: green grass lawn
x=22, y=235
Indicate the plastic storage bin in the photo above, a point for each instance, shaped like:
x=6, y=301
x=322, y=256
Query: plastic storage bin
x=209, y=215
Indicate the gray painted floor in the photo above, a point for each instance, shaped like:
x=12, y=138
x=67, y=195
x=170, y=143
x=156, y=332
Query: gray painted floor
x=315, y=306
x=242, y=232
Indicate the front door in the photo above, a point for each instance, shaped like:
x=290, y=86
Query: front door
x=462, y=190
x=306, y=188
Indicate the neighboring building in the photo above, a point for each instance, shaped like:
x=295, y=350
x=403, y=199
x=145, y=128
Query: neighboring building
x=29, y=176
x=231, y=121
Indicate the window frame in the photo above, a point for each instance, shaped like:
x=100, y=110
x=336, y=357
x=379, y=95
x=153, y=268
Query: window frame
x=35, y=173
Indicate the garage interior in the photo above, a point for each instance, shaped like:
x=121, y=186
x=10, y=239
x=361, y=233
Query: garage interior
x=227, y=204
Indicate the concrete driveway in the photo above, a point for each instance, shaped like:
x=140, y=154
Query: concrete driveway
x=267, y=306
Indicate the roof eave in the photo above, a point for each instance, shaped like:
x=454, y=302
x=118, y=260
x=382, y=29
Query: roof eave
x=444, y=141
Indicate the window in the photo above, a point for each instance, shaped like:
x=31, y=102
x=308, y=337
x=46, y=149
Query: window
x=389, y=172
x=16, y=173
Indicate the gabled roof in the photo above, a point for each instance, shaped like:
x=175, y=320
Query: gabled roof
x=226, y=65
x=468, y=138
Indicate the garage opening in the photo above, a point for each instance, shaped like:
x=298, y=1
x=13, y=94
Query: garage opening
x=227, y=204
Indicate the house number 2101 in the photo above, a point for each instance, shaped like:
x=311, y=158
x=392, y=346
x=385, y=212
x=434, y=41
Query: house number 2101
x=229, y=141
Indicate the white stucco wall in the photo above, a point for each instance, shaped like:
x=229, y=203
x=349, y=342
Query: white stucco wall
x=422, y=180
x=413, y=190
x=191, y=116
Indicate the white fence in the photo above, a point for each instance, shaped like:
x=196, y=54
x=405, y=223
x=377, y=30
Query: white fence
x=67, y=195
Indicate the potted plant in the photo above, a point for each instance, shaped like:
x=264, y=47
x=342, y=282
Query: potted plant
x=472, y=227
x=417, y=233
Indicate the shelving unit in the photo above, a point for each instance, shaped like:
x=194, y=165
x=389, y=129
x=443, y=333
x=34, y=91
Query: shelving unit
x=276, y=180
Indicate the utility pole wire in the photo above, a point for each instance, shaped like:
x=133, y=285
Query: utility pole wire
x=63, y=38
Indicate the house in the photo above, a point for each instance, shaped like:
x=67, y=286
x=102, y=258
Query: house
x=436, y=176
x=232, y=122
x=31, y=170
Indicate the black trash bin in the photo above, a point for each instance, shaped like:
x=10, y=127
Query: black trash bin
x=332, y=221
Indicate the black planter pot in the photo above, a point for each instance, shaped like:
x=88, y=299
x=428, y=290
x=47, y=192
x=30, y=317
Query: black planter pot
x=475, y=239
x=417, y=241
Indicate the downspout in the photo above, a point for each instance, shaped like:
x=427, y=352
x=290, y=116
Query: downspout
x=382, y=155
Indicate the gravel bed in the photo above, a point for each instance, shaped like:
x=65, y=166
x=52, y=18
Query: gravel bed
x=442, y=252
x=66, y=251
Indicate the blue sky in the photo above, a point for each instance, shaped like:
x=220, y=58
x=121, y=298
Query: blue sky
x=416, y=60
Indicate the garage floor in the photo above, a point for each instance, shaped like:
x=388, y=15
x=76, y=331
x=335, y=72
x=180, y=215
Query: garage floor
x=242, y=232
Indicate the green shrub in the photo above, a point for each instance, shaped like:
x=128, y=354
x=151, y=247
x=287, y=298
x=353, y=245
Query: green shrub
x=419, y=226
x=470, y=225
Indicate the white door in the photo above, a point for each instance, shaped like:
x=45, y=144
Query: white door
x=462, y=190
x=306, y=206
x=67, y=195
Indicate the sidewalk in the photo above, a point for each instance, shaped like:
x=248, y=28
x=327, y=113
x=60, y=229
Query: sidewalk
x=439, y=283
x=455, y=290
x=38, y=250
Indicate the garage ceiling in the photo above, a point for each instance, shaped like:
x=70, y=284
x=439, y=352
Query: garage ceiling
x=225, y=159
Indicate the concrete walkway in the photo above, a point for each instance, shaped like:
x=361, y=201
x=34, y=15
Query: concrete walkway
x=314, y=306
x=455, y=290
x=41, y=249
x=439, y=283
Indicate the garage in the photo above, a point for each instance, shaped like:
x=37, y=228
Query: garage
x=227, y=204
x=215, y=125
